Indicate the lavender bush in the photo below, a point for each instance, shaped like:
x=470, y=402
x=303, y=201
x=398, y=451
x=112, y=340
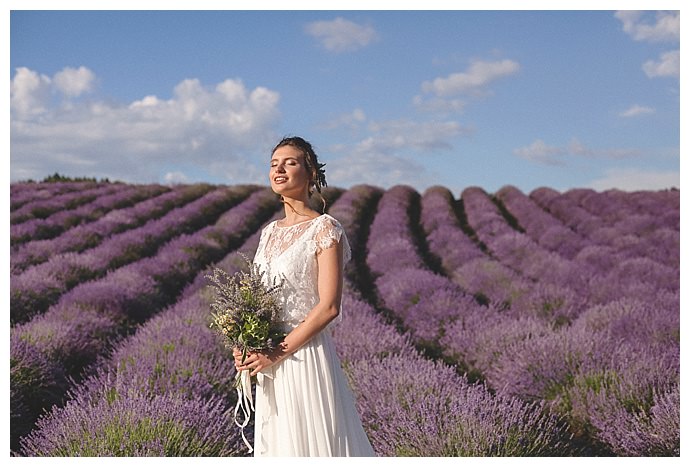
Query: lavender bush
x=121, y=197
x=86, y=236
x=561, y=309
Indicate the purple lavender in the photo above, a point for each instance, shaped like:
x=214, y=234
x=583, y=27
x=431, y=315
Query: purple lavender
x=34, y=288
x=563, y=307
x=87, y=236
x=121, y=197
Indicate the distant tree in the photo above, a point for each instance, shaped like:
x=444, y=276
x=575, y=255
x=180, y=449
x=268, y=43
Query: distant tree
x=56, y=177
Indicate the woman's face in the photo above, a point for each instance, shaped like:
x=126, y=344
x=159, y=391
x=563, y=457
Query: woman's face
x=288, y=174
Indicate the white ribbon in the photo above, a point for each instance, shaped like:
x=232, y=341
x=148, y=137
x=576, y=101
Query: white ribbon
x=243, y=383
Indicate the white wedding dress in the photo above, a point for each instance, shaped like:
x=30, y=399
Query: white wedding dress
x=304, y=405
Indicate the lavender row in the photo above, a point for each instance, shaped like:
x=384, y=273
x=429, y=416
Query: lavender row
x=650, y=230
x=508, y=350
x=174, y=357
x=354, y=210
x=462, y=255
x=597, y=275
x=34, y=290
x=43, y=208
x=81, y=327
x=542, y=227
x=560, y=278
x=647, y=230
x=424, y=301
x=626, y=239
x=659, y=208
x=659, y=245
x=449, y=416
x=386, y=373
x=25, y=192
x=173, y=371
x=506, y=243
x=89, y=235
x=53, y=225
x=481, y=341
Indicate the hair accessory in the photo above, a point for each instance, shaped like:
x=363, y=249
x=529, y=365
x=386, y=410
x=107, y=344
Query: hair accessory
x=320, y=177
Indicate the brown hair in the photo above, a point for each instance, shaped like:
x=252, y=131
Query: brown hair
x=317, y=175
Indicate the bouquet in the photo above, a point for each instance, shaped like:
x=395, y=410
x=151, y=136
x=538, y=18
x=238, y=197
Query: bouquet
x=245, y=314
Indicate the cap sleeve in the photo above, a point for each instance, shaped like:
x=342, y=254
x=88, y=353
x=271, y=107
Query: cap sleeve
x=328, y=233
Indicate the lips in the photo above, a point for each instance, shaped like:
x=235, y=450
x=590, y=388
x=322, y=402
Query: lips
x=280, y=179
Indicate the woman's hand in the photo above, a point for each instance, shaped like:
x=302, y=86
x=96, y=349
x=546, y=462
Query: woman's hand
x=237, y=354
x=257, y=361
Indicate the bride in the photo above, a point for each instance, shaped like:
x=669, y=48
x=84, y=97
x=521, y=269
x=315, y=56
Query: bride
x=304, y=406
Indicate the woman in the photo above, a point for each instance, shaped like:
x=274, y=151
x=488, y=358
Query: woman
x=304, y=406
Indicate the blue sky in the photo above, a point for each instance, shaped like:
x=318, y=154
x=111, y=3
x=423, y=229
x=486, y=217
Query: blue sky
x=561, y=99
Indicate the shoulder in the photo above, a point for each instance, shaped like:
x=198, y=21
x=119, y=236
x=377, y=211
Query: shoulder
x=329, y=220
x=327, y=226
x=328, y=223
x=268, y=227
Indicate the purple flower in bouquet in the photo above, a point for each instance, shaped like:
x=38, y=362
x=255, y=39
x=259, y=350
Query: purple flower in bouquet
x=245, y=310
x=245, y=314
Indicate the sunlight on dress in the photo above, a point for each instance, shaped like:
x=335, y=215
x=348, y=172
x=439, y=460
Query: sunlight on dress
x=304, y=405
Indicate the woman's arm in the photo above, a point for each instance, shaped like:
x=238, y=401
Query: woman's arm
x=330, y=286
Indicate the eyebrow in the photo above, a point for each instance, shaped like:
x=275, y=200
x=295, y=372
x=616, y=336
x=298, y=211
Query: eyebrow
x=285, y=158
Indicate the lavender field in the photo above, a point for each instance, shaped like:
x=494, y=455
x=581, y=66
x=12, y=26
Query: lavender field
x=475, y=324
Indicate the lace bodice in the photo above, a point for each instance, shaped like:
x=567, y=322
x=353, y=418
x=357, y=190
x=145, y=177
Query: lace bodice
x=290, y=253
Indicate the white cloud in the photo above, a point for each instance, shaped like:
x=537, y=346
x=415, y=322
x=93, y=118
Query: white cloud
x=376, y=168
x=439, y=105
x=636, y=110
x=668, y=65
x=217, y=130
x=29, y=93
x=631, y=179
x=403, y=134
x=472, y=81
x=666, y=27
x=542, y=153
x=385, y=155
x=341, y=35
x=352, y=120
x=73, y=82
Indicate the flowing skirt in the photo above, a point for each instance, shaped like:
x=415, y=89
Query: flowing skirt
x=304, y=406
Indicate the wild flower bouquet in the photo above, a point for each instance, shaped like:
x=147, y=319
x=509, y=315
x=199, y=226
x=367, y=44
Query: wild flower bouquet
x=245, y=314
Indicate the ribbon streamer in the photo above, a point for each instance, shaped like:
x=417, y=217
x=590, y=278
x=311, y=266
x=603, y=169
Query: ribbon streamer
x=244, y=402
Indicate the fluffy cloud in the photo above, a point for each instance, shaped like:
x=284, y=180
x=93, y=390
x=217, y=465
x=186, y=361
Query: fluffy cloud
x=384, y=155
x=377, y=168
x=449, y=93
x=402, y=134
x=542, y=153
x=636, y=111
x=666, y=27
x=474, y=80
x=341, y=35
x=29, y=93
x=73, y=82
x=667, y=65
x=632, y=179
x=210, y=131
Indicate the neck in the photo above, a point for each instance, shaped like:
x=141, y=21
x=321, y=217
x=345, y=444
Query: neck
x=296, y=209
